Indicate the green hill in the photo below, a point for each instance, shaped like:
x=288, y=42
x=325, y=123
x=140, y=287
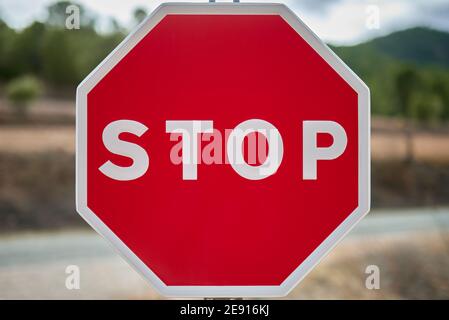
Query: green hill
x=379, y=61
x=422, y=46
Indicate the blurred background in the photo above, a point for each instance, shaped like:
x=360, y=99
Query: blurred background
x=399, y=48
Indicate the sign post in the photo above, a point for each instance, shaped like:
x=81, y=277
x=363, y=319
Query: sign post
x=216, y=176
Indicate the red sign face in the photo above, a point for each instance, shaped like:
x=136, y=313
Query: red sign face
x=223, y=149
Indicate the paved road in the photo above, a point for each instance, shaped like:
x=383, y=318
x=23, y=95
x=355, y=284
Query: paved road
x=32, y=265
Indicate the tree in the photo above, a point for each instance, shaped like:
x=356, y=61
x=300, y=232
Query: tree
x=407, y=83
x=25, y=55
x=21, y=92
x=57, y=15
x=441, y=88
x=7, y=36
x=426, y=107
x=139, y=15
x=60, y=59
x=116, y=27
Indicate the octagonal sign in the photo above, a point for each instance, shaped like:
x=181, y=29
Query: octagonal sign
x=222, y=149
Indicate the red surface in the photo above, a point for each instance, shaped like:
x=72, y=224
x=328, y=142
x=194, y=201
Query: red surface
x=222, y=229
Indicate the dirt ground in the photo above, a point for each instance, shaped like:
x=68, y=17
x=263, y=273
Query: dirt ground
x=21, y=139
x=50, y=126
x=413, y=267
x=384, y=145
x=427, y=146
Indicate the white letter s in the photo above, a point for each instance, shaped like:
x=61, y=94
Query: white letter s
x=127, y=149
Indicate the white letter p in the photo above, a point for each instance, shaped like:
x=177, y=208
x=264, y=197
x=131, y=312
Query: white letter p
x=312, y=153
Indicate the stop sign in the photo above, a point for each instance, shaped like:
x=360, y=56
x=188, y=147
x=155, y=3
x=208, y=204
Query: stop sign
x=223, y=149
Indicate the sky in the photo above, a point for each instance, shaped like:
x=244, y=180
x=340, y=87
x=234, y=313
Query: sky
x=335, y=21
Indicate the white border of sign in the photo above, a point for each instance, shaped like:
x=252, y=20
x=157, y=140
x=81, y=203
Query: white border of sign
x=232, y=9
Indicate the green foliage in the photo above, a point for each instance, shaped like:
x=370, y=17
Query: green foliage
x=59, y=58
x=26, y=53
x=7, y=36
x=139, y=14
x=407, y=83
x=401, y=77
x=21, y=92
x=441, y=88
x=407, y=71
x=422, y=95
x=53, y=53
x=426, y=107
